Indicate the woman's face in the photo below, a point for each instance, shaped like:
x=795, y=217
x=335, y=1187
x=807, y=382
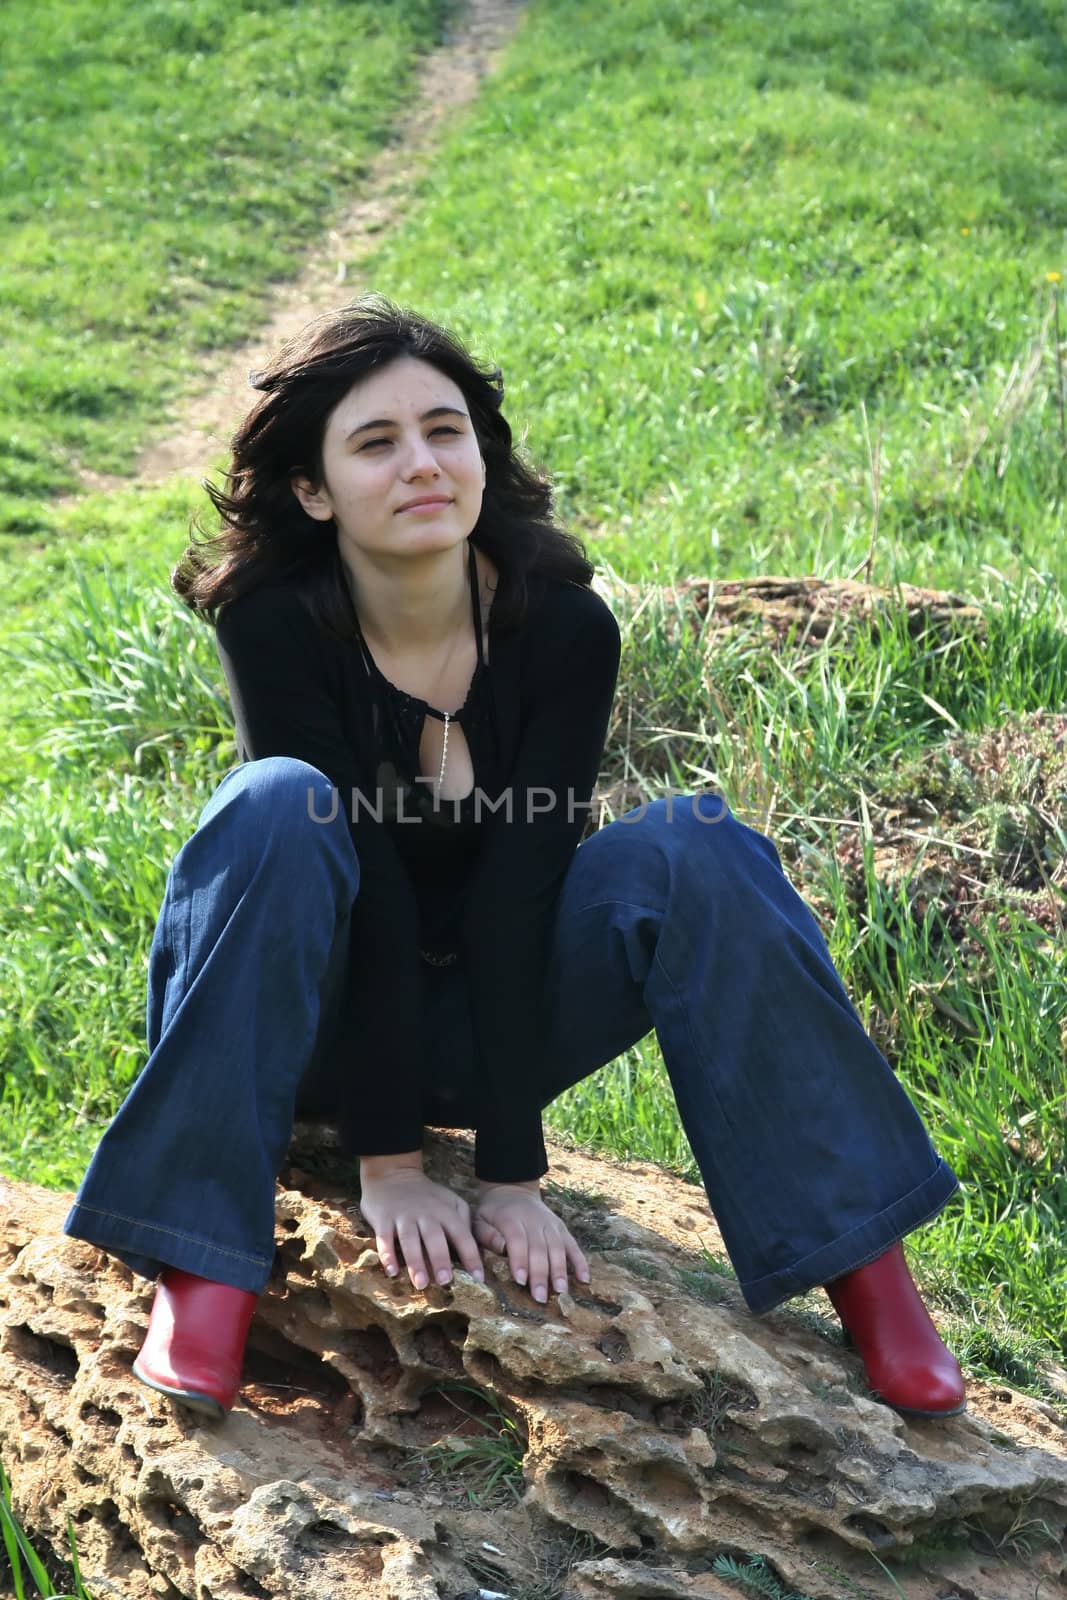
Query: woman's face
x=400, y=436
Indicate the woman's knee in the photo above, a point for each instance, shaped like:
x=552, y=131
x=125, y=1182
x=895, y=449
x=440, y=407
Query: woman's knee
x=681, y=819
x=687, y=829
x=282, y=799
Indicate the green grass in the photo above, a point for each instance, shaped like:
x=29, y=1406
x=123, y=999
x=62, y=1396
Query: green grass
x=726, y=228
x=164, y=164
x=728, y=258
x=19, y=1553
x=486, y=1454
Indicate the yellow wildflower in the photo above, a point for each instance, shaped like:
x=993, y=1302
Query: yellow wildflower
x=1052, y=277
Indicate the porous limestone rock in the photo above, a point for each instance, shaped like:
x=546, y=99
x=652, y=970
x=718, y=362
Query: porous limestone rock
x=655, y=1423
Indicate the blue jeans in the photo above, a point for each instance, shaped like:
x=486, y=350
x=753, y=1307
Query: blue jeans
x=676, y=917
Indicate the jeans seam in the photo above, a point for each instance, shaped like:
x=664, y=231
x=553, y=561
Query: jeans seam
x=175, y=1233
x=797, y=1266
x=631, y=905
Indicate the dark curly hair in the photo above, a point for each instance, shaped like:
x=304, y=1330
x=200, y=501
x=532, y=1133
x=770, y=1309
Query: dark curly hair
x=267, y=537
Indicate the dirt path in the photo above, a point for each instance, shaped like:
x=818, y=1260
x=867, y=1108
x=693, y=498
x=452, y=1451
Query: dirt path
x=445, y=81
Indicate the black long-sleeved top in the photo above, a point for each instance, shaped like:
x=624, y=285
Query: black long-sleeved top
x=470, y=876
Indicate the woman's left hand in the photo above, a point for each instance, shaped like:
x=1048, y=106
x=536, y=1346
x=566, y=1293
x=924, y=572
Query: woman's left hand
x=512, y=1219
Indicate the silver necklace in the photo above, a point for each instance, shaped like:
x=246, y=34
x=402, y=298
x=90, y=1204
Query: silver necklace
x=448, y=718
x=444, y=757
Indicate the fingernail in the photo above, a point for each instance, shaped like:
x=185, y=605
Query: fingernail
x=478, y=1275
x=391, y=1271
x=520, y=1275
x=420, y=1280
x=561, y=1285
x=444, y=1277
x=540, y=1293
x=584, y=1276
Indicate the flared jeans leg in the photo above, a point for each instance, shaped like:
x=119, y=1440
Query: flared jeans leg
x=678, y=917
x=249, y=947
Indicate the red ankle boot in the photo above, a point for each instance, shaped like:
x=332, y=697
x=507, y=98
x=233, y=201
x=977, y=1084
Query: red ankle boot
x=195, y=1344
x=907, y=1365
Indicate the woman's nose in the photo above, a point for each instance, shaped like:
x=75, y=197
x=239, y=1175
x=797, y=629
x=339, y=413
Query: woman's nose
x=419, y=457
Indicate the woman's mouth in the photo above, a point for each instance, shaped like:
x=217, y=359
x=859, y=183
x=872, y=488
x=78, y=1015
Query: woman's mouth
x=427, y=507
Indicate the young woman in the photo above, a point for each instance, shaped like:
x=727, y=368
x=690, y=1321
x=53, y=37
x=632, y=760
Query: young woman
x=388, y=913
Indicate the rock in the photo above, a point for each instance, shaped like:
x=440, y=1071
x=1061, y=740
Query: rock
x=635, y=1581
x=662, y=1429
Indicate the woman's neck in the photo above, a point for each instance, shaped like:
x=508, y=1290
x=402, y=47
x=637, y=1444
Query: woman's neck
x=415, y=608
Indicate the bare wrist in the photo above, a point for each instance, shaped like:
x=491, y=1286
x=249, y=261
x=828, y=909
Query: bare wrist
x=532, y=1185
x=381, y=1166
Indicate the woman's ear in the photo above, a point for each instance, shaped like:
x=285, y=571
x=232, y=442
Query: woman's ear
x=316, y=502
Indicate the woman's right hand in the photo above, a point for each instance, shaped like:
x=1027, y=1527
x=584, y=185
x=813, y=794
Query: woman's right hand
x=426, y=1219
